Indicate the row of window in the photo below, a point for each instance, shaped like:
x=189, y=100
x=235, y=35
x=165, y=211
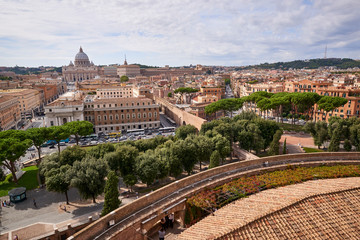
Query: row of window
x=115, y=105
x=111, y=93
x=105, y=117
x=129, y=127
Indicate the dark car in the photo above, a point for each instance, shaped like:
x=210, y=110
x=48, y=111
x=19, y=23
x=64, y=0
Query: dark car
x=52, y=146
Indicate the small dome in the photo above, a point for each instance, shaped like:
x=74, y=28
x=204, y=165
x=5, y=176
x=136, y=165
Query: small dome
x=81, y=56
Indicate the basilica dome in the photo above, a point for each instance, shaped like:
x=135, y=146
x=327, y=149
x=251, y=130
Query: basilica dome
x=81, y=59
x=81, y=55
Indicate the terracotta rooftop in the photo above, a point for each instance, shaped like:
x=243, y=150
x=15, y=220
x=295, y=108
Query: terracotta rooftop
x=321, y=209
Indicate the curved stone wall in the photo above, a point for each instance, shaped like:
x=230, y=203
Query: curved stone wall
x=130, y=210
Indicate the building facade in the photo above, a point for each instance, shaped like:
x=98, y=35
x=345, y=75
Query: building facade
x=81, y=70
x=9, y=112
x=114, y=92
x=121, y=114
x=128, y=70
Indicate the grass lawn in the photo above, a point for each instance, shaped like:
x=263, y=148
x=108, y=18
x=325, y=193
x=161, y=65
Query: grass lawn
x=291, y=127
x=311, y=150
x=27, y=180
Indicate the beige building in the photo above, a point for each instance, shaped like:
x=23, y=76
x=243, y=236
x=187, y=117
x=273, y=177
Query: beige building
x=110, y=71
x=81, y=70
x=114, y=92
x=9, y=112
x=29, y=100
x=128, y=70
x=120, y=114
x=68, y=108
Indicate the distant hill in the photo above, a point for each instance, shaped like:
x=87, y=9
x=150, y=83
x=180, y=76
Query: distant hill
x=341, y=63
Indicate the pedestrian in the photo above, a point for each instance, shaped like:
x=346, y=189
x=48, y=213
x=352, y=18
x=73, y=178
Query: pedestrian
x=171, y=219
x=34, y=203
x=167, y=222
x=16, y=237
x=163, y=223
x=162, y=234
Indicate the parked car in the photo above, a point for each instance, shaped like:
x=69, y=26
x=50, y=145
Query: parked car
x=72, y=141
x=32, y=148
x=62, y=144
x=52, y=146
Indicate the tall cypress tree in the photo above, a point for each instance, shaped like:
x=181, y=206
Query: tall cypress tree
x=112, y=201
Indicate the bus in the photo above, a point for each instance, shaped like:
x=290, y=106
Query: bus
x=167, y=129
x=136, y=132
x=114, y=134
x=171, y=121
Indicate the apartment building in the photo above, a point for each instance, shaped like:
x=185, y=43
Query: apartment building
x=9, y=112
x=107, y=92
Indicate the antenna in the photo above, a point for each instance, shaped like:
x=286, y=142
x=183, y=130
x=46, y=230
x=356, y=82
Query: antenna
x=325, y=51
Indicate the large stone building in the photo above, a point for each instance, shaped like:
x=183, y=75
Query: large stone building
x=114, y=92
x=121, y=114
x=128, y=70
x=9, y=112
x=82, y=69
x=29, y=100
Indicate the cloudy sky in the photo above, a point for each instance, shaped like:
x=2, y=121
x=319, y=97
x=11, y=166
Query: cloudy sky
x=177, y=32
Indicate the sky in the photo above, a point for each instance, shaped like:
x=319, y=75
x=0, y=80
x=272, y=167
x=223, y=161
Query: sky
x=177, y=32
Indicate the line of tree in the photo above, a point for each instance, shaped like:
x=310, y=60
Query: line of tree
x=14, y=143
x=337, y=131
x=294, y=105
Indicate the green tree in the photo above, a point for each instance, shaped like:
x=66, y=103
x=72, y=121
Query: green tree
x=355, y=136
x=72, y=154
x=165, y=153
x=225, y=105
x=57, y=176
x=222, y=146
x=58, y=133
x=170, y=95
x=79, y=128
x=227, y=81
x=100, y=150
x=13, y=145
x=112, y=201
x=88, y=176
x=347, y=145
x=124, y=78
x=204, y=147
x=185, y=90
x=147, y=167
x=334, y=145
x=284, y=147
x=214, y=159
x=186, y=151
x=275, y=145
x=38, y=136
x=328, y=104
x=183, y=131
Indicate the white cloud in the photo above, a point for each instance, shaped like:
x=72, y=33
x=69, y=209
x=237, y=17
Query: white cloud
x=177, y=32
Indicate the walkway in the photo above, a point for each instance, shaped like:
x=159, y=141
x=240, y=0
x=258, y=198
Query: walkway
x=252, y=209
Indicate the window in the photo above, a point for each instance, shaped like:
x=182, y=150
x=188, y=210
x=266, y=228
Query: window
x=51, y=123
x=139, y=115
x=50, y=110
x=117, y=116
x=122, y=116
x=128, y=116
x=133, y=115
x=150, y=114
x=110, y=117
x=105, y=118
x=144, y=115
x=99, y=118
x=155, y=114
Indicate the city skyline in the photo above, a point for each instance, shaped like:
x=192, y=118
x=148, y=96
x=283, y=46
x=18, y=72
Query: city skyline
x=176, y=33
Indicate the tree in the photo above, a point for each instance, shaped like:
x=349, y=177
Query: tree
x=227, y=81
x=284, y=147
x=214, y=159
x=183, y=131
x=112, y=201
x=72, y=154
x=13, y=145
x=328, y=104
x=185, y=90
x=274, y=146
x=222, y=146
x=165, y=153
x=57, y=176
x=58, y=133
x=38, y=136
x=204, y=147
x=147, y=167
x=170, y=95
x=100, y=150
x=355, y=136
x=319, y=132
x=88, y=176
x=124, y=78
x=334, y=145
x=226, y=105
x=347, y=145
x=186, y=151
x=79, y=128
